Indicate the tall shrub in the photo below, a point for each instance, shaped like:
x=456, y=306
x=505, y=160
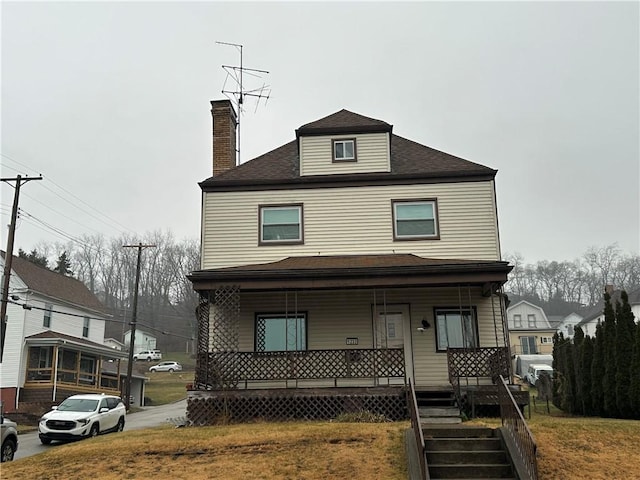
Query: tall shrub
x=625, y=337
x=597, y=372
x=578, y=370
x=610, y=408
x=586, y=383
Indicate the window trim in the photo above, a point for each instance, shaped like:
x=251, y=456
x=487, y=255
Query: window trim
x=535, y=344
x=297, y=241
x=457, y=309
x=531, y=324
x=404, y=238
x=304, y=315
x=334, y=159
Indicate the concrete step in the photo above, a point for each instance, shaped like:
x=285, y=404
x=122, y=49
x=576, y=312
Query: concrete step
x=460, y=431
x=465, y=444
x=461, y=457
x=482, y=471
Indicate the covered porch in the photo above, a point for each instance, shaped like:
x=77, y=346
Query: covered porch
x=327, y=327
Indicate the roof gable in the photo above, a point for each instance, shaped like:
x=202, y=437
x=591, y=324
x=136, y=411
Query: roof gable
x=343, y=121
x=51, y=284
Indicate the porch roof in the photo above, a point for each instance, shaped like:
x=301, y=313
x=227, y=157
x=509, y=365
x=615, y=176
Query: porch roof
x=354, y=271
x=49, y=337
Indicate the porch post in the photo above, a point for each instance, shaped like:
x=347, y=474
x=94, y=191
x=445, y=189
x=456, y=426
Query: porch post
x=54, y=372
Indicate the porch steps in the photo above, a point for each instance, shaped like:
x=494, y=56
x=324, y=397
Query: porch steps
x=464, y=452
x=437, y=407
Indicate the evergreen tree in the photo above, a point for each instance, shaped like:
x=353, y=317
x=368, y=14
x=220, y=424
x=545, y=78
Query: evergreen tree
x=610, y=408
x=634, y=384
x=625, y=337
x=568, y=400
x=578, y=346
x=63, y=265
x=586, y=388
x=597, y=372
x=34, y=257
x=558, y=364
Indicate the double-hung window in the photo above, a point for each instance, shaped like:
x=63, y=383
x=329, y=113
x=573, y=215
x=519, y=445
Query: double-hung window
x=531, y=320
x=456, y=327
x=517, y=321
x=344, y=150
x=279, y=332
x=415, y=220
x=281, y=224
x=46, y=320
x=85, y=327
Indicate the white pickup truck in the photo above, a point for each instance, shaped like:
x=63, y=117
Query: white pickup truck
x=148, y=355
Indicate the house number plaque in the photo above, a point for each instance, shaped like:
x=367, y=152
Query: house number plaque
x=352, y=340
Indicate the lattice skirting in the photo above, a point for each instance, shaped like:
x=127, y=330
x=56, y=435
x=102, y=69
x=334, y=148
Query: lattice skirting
x=215, y=407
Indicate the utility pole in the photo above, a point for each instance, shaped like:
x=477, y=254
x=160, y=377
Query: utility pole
x=8, y=256
x=134, y=319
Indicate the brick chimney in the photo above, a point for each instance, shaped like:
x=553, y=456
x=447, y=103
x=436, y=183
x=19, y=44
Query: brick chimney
x=224, y=136
x=608, y=289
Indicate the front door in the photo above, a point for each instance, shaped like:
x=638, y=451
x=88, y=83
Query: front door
x=392, y=329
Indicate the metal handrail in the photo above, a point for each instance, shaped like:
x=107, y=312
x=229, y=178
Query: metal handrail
x=518, y=431
x=412, y=403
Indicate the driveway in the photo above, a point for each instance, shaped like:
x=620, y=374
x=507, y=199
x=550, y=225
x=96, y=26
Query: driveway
x=29, y=443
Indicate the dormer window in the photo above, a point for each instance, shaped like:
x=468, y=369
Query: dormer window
x=344, y=150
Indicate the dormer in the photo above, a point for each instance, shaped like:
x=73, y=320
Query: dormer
x=344, y=143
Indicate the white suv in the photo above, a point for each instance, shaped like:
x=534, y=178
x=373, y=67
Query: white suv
x=81, y=416
x=148, y=355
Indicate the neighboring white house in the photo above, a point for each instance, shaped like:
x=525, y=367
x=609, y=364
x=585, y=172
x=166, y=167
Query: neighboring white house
x=113, y=343
x=143, y=341
x=596, y=316
x=568, y=323
x=352, y=245
x=54, y=345
x=530, y=331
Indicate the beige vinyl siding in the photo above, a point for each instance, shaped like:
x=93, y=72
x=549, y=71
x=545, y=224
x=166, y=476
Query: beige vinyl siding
x=351, y=220
x=372, y=154
x=332, y=316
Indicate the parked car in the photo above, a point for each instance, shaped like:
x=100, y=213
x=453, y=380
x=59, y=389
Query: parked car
x=166, y=367
x=9, y=439
x=534, y=371
x=148, y=355
x=82, y=416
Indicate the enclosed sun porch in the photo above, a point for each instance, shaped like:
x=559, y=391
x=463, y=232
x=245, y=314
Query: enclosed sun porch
x=313, y=337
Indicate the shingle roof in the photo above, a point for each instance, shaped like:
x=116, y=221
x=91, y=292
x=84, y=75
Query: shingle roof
x=408, y=159
x=598, y=309
x=344, y=121
x=54, y=285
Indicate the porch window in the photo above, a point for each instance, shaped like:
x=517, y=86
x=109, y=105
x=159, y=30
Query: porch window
x=40, y=364
x=85, y=327
x=46, y=320
x=415, y=220
x=281, y=224
x=528, y=345
x=281, y=332
x=456, y=328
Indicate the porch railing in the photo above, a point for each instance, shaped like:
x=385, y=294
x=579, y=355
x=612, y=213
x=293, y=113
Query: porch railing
x=230, y=369
x=517, y=433
x=412, y=405
x=468, y=366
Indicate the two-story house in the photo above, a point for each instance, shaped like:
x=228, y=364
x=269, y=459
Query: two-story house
x=347, y=261
x=530, y=331
x=54, y=344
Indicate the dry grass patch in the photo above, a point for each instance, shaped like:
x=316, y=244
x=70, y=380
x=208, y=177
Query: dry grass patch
x=309, y=450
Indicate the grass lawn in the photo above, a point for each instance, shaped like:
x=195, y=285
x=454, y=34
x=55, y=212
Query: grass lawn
x=165, y=387
x=297, y=450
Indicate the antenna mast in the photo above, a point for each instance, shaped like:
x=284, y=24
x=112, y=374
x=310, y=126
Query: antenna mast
x=237, y=93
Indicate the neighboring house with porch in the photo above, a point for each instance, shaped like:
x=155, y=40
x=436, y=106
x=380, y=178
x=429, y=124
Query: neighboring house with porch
x=54, y=345
x=339, y=266
x=530, y=332
x=595, y=316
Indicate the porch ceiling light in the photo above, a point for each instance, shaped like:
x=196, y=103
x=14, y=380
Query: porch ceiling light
x=425, y=325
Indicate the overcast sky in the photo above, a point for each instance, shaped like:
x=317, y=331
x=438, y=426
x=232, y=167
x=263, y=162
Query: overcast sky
x=110, y=103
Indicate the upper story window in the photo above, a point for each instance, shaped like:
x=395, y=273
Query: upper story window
x=281, y=224
x=415, y=220
x=46, y=320
x=531, y=319
x=517, y=321
x=344, y=150
x=85, y=327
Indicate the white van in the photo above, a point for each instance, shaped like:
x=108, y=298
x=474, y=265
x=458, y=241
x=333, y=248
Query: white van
x=534, y=371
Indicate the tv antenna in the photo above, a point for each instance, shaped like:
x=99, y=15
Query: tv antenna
x=236, y=91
